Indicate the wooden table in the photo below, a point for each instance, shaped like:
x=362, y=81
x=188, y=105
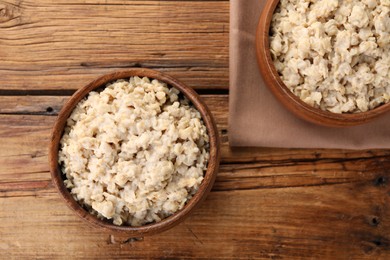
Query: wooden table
x=266, y=203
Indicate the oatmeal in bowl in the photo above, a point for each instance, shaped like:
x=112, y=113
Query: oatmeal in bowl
x=137, y=150
x=329, y=60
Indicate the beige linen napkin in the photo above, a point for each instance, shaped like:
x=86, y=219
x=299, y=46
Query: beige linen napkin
x=256, y=118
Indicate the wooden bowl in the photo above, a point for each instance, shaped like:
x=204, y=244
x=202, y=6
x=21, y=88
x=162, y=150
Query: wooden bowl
x=204, y=189
x=289, y=99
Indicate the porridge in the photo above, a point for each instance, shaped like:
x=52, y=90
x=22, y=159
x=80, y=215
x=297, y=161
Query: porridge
x=334, y=54
x=134, y=152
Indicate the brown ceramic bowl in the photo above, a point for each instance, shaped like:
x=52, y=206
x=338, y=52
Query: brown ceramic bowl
x=286, y=97
x=204, y=189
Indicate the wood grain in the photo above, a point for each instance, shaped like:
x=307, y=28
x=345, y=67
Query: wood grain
x=66, y=44
x=25, y=127
x=266, y=202
x=296, y=206
x=291, y=209
x=348, y=220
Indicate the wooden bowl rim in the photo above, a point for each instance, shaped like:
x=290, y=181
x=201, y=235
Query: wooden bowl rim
x=289, y=99
x=170, y=221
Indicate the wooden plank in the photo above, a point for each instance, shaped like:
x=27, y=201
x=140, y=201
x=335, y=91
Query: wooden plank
x=25, y=126
x=66, y=44
x=248, y=176
x=266, y=203
x=343, y=221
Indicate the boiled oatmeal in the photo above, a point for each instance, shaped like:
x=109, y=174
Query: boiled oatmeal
x=135, y=152
x=334, y=54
